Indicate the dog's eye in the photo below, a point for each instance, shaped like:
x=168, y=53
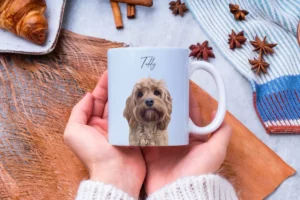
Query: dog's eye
x=156, y=92
x=140, y=94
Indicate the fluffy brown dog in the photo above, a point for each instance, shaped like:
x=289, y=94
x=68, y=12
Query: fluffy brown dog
x=148, y=112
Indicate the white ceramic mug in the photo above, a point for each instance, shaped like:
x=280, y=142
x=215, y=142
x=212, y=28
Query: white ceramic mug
x=148, y=94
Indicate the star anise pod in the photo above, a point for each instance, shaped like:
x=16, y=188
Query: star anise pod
x=259, y=65
x=263, y=46
x=238, y=14
x=178, y=8
x=201, y=51
x=236, y=40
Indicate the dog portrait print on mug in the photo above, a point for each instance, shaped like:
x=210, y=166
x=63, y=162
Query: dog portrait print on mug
x=148, y=96
x=148, y=112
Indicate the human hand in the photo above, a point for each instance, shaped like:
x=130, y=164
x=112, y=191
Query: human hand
x=86, y=135
x=167, y=164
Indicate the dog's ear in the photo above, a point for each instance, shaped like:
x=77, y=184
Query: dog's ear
x=128, y=111
x=168, y=102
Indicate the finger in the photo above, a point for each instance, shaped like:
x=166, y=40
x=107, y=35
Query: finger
x=100, y=95
x=205, y=138
x=221, y=137
x=213, y=115
x=195, y=115
x=152, y=153
x=105, y=113
x=99, y=124
x=194, y=109
x=197, y=139
x=82, y=111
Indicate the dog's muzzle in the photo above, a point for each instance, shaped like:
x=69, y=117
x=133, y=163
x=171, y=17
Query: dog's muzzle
x=150, y=115
x=149, y=102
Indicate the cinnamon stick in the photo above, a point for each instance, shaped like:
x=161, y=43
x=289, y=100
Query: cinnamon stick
x=298, y=33
x=130, y=11
x=117, y=14
x=147, y=3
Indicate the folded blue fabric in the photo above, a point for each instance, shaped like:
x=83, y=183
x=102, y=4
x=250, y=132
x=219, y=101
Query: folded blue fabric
x=276, y=95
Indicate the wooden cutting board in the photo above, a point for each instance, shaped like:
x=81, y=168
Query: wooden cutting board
x=247, y=157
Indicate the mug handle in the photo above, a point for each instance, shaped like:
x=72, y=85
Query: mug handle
x=221, y=111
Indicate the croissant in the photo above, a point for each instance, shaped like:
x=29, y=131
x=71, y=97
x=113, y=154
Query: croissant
x=25, y=18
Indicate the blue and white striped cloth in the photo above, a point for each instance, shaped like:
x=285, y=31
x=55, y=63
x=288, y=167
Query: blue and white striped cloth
x=276, y=95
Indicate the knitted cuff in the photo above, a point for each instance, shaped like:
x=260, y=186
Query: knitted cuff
x=205, y=187
x=91, y=190
x=277, y=104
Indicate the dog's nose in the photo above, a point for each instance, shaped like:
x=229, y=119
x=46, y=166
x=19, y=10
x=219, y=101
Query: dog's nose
x=149, y=102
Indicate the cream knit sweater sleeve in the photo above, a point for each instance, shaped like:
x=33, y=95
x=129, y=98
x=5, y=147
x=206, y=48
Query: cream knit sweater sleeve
x=205, y=187
x=91, y=190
